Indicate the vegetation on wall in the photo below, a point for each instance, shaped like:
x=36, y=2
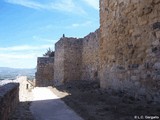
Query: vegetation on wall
x=49, y=53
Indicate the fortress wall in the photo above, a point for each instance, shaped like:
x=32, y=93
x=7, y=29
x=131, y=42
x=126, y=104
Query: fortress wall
x=45, y=71
x=72, y=59
x=59, y=62
x=130, y=44
x=90, y=56
x=9, y=99
x=77, y=59
x=67, y=60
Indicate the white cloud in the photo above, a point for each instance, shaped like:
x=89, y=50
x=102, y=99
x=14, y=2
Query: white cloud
x=66, y=5
x=84, y=24
x=27, y=3
x=93, y=3
x=75, y=25
x=46, y=40
x=24, y=47
x=18, y=60
x=24, y=56
x=60, y=5
x=17, y=56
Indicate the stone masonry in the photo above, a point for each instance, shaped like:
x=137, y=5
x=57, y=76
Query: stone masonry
x=9, y=99
x=124, y=54
x=130, y=44
x=45, y=71
x=59, y=62
x=67, y=65
x=90, y=56
x=76, y=59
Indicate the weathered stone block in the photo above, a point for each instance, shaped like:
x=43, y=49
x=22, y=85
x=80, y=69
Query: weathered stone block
x=135, y=78
x=156, y=25
x=158, y=34
x=156, y=43
x=133, y=66
x=157, y=65
x=154, y=49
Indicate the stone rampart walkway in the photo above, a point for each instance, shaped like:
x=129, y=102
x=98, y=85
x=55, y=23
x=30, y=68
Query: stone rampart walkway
x=47, y=106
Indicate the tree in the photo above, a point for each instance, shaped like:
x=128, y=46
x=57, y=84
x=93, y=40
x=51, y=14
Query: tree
x=49, y=53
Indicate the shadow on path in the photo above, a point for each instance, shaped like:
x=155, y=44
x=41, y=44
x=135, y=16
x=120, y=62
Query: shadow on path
x=47, y=106
x=91, y=103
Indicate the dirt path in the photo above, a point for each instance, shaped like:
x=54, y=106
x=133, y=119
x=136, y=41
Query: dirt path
x=92, y=103
x=47, y=106
x=87, y=100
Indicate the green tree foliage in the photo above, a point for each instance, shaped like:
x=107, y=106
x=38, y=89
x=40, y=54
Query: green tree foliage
x=49, y=53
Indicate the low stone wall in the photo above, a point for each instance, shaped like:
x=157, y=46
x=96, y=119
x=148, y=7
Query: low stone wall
x=9, y=98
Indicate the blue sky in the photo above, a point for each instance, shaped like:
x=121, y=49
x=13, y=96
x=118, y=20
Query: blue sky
x=29, y=27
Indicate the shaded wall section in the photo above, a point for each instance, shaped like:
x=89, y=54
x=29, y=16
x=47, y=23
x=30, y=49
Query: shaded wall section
x=59, y=62
x=73, y=59
x=9, y=99
x=90, y=56
x=130, y=44
x=68, y=58
x=45, y=71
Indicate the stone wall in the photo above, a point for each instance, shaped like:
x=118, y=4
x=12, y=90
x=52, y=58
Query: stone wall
x=59, y=62
x=9, y=99
x=77, y=59
x=45, y=71
x=90, y=56
x=73, y=59
x=68, y=57
x=130, y=44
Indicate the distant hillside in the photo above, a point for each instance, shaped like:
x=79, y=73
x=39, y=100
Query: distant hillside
x=11, y=73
